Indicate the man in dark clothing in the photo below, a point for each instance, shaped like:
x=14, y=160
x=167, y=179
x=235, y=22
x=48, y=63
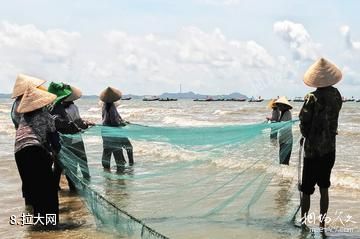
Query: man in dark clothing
x=318, y=124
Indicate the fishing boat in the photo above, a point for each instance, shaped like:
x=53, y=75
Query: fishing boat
x=256, y=100
x=358, y=100
x=126, y=98
x=168, y=99
x=152, y=98
x=236, y=99
x=299, y=99
x=352, y=99
x=205, y=100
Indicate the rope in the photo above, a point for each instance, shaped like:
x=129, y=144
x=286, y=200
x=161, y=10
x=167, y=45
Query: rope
x=301, y=153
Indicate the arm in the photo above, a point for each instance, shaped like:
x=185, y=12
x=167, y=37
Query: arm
x=65, y=126
x=62, y=122
x=306, y=114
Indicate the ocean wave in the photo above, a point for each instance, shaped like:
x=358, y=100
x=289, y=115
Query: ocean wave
x=182, y=121
x=5, y=111
x=94, y=109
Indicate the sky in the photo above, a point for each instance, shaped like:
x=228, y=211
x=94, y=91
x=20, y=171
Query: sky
x=147, y=47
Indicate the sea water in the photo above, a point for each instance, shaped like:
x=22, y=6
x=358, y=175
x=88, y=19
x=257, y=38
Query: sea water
x=279, y=199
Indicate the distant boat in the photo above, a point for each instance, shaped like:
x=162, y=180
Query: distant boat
x=235, y=99
x=256, y=100
x=349, y=100
x=126, y=98
x=152, y=98
x=210, y=99
x=358, y=100
x=299, y=99
x=207, y=99
x=168, y=99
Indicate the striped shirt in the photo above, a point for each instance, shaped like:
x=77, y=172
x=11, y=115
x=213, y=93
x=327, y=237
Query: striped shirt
x=34, y=128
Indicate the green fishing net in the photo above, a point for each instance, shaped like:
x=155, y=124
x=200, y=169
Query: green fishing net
x=182, y=176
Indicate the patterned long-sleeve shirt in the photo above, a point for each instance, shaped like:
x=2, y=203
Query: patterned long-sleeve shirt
x=319, y=120
x=34, y=130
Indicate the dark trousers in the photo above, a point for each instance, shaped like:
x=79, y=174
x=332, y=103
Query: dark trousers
x=58, y=169
x=79, y=158
x=285, y=152
x=34, y=164
x=114, y=145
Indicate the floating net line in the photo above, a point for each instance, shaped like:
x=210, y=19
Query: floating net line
x=182, y=175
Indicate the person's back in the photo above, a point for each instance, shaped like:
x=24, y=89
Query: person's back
x=110, y=115
x=319, y=120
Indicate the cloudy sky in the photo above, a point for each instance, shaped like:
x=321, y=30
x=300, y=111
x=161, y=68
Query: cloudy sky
x=152, y=46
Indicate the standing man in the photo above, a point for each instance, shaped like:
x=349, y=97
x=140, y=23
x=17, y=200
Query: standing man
x=318, y=124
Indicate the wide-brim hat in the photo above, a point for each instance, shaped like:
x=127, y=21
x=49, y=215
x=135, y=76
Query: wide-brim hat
x=23, y=82
x=34, y=99
x=75, y=94
x=284, y=101
x=61, y=90
x=271, y=103
x=322, y=74
x=110, y=95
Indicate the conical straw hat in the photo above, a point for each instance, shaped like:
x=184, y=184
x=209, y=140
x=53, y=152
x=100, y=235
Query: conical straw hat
x=283, y=100
x=271, y=103
x=23, y=82
x=110, y=95
x=322, y=74
x=34, y=99
x=75, y=94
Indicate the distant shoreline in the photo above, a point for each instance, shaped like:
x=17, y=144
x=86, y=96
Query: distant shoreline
x=185, y=95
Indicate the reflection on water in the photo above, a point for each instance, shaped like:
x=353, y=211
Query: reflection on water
x=284, y=195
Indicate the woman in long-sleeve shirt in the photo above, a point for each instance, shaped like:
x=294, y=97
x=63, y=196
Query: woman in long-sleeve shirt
x=34, y=146
x=285, y=133
x=76, y=144
x=62, y=123
x=20, y=86
x=114, y=145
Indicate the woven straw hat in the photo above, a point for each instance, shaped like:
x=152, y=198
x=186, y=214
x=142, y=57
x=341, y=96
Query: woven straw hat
x=34, y=99
x=75, y=94
x=110, y=95
x=271, y=104
x=322, y=74
x=23, y=82
x=284, y=101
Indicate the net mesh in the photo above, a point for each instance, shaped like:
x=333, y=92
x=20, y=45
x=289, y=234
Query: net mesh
x=182, y=176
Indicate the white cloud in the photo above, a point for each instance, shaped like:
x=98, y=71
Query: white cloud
x=52, y=45
x=202, y=61
x=299, y=40
x=350, y=43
